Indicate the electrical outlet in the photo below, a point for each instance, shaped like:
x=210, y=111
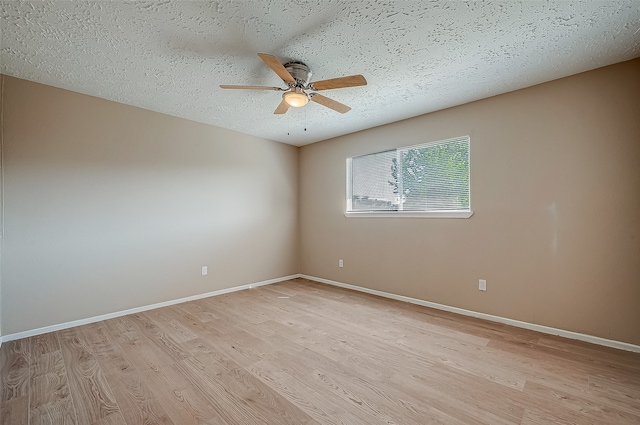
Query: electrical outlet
x=340, y=263
x=482, y=285
x=204, y=270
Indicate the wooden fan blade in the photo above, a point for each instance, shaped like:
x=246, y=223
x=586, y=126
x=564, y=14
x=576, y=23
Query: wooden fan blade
x=273, y=63
x=330, y=103
x=250, y=87
x=282, y=108
x=338, y=83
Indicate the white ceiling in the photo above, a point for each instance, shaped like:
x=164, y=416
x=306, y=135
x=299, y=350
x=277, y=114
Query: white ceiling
x=418, y=56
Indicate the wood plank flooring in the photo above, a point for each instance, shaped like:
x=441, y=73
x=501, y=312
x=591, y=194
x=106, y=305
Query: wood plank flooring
x=299, y=352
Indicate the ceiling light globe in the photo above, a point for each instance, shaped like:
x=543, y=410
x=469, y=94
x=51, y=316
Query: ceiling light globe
x=296, y=98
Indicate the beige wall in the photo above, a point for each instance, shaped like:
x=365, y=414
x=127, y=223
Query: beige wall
x=555, y=186
x=1, y=200
x=109, y=207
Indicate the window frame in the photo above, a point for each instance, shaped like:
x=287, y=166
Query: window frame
x=407, y=214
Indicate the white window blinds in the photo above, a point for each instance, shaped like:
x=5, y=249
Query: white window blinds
x=428, y=177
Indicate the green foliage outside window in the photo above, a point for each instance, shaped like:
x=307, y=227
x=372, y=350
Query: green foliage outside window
x=432, y=176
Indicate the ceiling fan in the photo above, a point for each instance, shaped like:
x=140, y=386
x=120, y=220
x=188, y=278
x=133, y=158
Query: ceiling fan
x=296, y=76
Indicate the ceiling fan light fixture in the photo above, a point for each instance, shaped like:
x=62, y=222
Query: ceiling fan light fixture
x=296, y=98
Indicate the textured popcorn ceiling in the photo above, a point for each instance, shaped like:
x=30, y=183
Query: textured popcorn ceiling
x=418, y=56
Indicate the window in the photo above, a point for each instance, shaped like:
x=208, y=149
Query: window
x=428, y=180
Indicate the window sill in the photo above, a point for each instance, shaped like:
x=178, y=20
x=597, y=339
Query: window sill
x=410, y=214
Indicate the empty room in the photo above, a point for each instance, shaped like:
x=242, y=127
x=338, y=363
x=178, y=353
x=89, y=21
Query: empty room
x=330, y=212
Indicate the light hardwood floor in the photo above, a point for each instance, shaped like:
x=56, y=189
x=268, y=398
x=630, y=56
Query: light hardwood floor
x=299, y=352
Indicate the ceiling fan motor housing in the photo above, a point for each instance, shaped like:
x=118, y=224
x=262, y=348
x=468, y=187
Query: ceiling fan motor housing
x=300, y=72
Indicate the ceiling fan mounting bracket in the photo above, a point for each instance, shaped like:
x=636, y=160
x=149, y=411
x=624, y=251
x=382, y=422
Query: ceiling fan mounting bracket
x=300, y=72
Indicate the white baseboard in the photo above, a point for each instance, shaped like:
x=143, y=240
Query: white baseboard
x=517, y=323
x=66, y=325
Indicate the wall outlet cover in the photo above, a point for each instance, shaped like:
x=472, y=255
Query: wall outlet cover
x=482, y=285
